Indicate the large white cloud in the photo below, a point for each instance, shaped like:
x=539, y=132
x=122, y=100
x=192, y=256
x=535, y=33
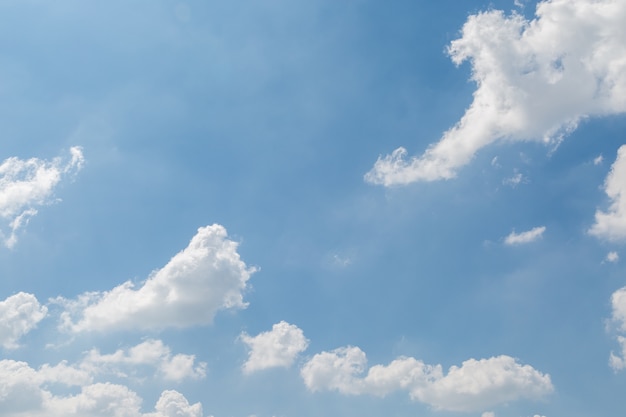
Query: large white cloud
x=19, y=314
x=23, y=392
x=278, y=347
x=202, y=279
x=474, y=386
x=535, y=81
x=152, y=353
x=27, y=184
x=611, y=225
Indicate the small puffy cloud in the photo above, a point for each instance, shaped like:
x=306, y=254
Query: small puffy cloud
x=611, y=224
x=612, y=257
x=618, y=304
x=151, y=353
x=525, y=237
x=476, y=385
x=618, y=361
x=488, y=414
x=202, y=279
x=174, y=404
x=19, y=314
x=28, y=184
x=278, y=347
x=536, y=80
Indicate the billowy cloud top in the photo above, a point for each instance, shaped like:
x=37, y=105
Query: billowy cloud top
x=536, y=80
x=525, y=237
x=202, y=279
x=474, y=386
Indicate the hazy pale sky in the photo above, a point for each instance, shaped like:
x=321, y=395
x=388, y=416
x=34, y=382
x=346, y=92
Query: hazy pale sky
x=272, y=208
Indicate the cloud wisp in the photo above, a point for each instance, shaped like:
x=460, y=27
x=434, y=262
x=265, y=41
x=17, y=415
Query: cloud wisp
x=152, y=353
x=474, y=386
x=536, y=80
x=205, y=277
x=525, y=237
x=28, y=184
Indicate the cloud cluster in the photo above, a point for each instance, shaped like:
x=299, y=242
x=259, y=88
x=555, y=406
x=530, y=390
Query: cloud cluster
x=19, y=314
x=28, y=184
x=151, y=353
x=536, y=80
x=23, y=392
x=525, y=237
x=474, y=386
x=611, y=224
x=205, y=277
x=278, y=347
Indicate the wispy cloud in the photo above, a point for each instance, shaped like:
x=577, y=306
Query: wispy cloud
x=525, y=237
x=28, y=184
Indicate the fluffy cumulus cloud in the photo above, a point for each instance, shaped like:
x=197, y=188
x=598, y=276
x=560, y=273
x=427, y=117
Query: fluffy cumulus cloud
x=202, y=279
x=474, y=386
x=23, y=391
x=535, y=81
x=525, y=237
x=278, y=347
x=611, y=224
x=19, y=314
x=28, y=184
x=152, y=353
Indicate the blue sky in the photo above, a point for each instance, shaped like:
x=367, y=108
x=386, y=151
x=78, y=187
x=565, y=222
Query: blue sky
x=322, y=208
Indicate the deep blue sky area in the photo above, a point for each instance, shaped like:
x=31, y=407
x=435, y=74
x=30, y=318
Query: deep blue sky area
x=477, y=274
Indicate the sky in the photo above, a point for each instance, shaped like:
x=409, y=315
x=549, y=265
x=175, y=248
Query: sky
x=270, y=208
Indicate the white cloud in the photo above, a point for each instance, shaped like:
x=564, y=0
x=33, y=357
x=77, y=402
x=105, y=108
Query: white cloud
x=27, y=184
x=488, y=414
x=23, y=391
x=19, y=314
x=525, y=237
x=618, y=362
x=152, y=353
x=476, y=385
x=611, y=225
x=598, y=160
x=612, y=257
x=536, y=80
x=202, y=279
x=515, y=180
x=278, y=347
x=174, y=404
